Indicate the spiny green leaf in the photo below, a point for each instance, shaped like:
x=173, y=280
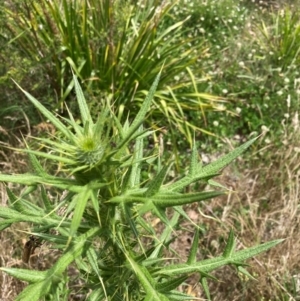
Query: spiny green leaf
x=170, y=200
x=209, y=265
x=230, y=245
x=12, y=215
x=81, y=201
x=30, y=276
x=204, y=284
x=181, y=211
x=220, y=163
x=61, y=159
x=96, y=294
x=135, y=173
x=165, y=236
x=194, y=249
x=211, y=169
x=95, y=202
x=128, y=199
x=45, y=199
x=156, y=297
x=139, y=119
x=194, y=161
x=161, y=214
x=55, y=121
x=5, y=224
x=40, y=171
x=93, y=261
x=167, y=286
x=34, y=292
x=31, y=180
x=245, y=272
x=253, y=251
x=74, y=250
x=178, y=296
x=146, y=281
x=156, y=182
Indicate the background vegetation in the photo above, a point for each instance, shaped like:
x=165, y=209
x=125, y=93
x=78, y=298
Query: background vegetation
x=231, y=72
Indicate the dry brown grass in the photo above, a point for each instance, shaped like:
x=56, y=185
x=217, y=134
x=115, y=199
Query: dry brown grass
x=11, y=240
x=263, y=206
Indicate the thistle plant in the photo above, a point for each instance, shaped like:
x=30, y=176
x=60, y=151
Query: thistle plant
x=280, y=37
x=104, y=232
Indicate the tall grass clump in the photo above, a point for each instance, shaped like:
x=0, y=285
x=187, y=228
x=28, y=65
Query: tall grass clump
x=114, y=47
x=103, y=216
